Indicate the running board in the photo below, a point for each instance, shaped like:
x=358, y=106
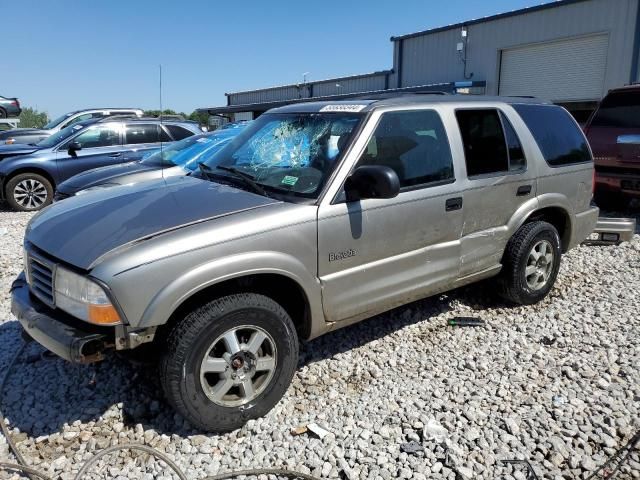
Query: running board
x=612, y=231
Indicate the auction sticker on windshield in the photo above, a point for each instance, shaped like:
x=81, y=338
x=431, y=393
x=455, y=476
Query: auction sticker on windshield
x=342, y=108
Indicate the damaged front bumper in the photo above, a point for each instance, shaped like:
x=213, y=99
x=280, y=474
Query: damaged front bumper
x=60, y=333
x=613, y=231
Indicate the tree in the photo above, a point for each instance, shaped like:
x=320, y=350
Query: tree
x=166, y=111
x=32, y=118
x=201, y=117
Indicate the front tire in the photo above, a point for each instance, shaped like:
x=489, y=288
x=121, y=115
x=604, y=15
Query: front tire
x=530, y=263
x=28, y=192
x=229, y=361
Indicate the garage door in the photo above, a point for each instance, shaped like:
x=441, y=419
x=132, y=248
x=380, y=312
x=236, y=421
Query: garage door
x=567, y=70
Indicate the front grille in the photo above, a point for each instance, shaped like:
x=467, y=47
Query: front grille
x=41, y=279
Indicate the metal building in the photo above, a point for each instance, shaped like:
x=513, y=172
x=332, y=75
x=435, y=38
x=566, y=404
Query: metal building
x=568, y=51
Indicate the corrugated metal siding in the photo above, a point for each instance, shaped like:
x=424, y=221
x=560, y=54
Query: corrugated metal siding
x=240, y=116
x=568, y=70
x=433, y=58
x=360, y=84
x=288, y=92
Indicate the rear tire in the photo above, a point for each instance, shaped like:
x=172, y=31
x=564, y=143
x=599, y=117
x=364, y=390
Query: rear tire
x=229, y=361
x=3, y=113
x=28, y=192
x=530, y=263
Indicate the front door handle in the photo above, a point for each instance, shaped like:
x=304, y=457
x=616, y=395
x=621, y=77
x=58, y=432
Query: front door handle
x=453, y=204
x=116, y=155
x=523, y=190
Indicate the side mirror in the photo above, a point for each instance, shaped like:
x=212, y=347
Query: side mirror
x=73, y=148
x=372, y=181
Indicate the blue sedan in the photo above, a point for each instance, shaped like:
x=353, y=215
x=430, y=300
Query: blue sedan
x=30, y=174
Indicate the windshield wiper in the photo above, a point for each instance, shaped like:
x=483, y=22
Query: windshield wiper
x=246, y=178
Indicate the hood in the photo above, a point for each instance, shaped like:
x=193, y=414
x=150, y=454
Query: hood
x=16, y=149
x=19, y=132
x=80, y=230
x=102, y=175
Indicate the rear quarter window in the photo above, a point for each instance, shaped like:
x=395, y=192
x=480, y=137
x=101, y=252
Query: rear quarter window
x=560, y=139
x=618, y=110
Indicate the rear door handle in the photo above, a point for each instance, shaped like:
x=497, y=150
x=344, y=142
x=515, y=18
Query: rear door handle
x=453, y=204
x=523, y=190
x=116, y=155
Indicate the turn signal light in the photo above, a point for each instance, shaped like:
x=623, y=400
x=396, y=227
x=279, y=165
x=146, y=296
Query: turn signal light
x=103, y=315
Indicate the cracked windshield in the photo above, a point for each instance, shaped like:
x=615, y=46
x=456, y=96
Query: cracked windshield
x=289, y=153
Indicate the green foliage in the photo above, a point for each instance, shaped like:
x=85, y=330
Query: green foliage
x=201, y=117
x=32, y=118
x=166, y=111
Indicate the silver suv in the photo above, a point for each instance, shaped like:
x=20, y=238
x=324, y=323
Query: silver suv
x=316, y=216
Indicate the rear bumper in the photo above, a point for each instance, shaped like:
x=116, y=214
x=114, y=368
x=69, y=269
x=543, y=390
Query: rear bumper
x=612, y=231
x=56, y=331
x=626, y=183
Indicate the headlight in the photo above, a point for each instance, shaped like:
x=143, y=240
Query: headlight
x=83, y=298
x=97, y=187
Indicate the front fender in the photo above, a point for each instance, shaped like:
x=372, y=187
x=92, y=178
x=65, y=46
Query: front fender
x=173, y=294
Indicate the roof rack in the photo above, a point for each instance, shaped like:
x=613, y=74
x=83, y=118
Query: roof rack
x=385, y=95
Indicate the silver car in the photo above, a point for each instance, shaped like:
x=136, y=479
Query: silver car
x=318, y=215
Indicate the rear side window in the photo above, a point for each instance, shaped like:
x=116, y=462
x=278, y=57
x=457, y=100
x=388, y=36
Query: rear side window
x=558, y=136
x=485, y=149
x=517, y=161
x=178, y=133
x=141, y=133
x=619, y=110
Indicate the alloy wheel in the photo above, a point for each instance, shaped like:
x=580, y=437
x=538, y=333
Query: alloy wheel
x=30, y=193
x=238, y=366
x=539, y=265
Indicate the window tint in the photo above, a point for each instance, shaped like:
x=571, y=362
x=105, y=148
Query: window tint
x=98, y=136
x=141, y=133
x=414, y=144
x=517, y=160
x=557, y=135
x=178, y=133
x=484, y=144
x=620, y=110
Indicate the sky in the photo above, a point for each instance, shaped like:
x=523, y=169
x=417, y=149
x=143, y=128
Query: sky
x=65, y=55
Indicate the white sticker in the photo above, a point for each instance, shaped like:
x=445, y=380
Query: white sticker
x=342, y=108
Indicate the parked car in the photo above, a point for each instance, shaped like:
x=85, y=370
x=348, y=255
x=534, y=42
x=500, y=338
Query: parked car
x=35, y=135
x=316, y=216
x=614, y=134
x=29, y=174
x=177, y=159
x=9, y=107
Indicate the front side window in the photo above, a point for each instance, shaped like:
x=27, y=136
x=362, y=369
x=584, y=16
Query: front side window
x=414, y=144
x=485, y=150
x=98, y=136
x=560, y=139
x=619, y=110
x=142, y=133
x=291, y=154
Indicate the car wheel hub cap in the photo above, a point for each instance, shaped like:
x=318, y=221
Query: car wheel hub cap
x=238, y=366
x=539, y=265
x=30, y=193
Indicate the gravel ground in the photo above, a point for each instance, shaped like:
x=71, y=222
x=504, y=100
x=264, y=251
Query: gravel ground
x=557, y=384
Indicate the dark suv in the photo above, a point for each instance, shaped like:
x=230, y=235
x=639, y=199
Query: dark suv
x=29, y=173
x=614, y=134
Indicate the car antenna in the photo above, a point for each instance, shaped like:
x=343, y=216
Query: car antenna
x=160, y=130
